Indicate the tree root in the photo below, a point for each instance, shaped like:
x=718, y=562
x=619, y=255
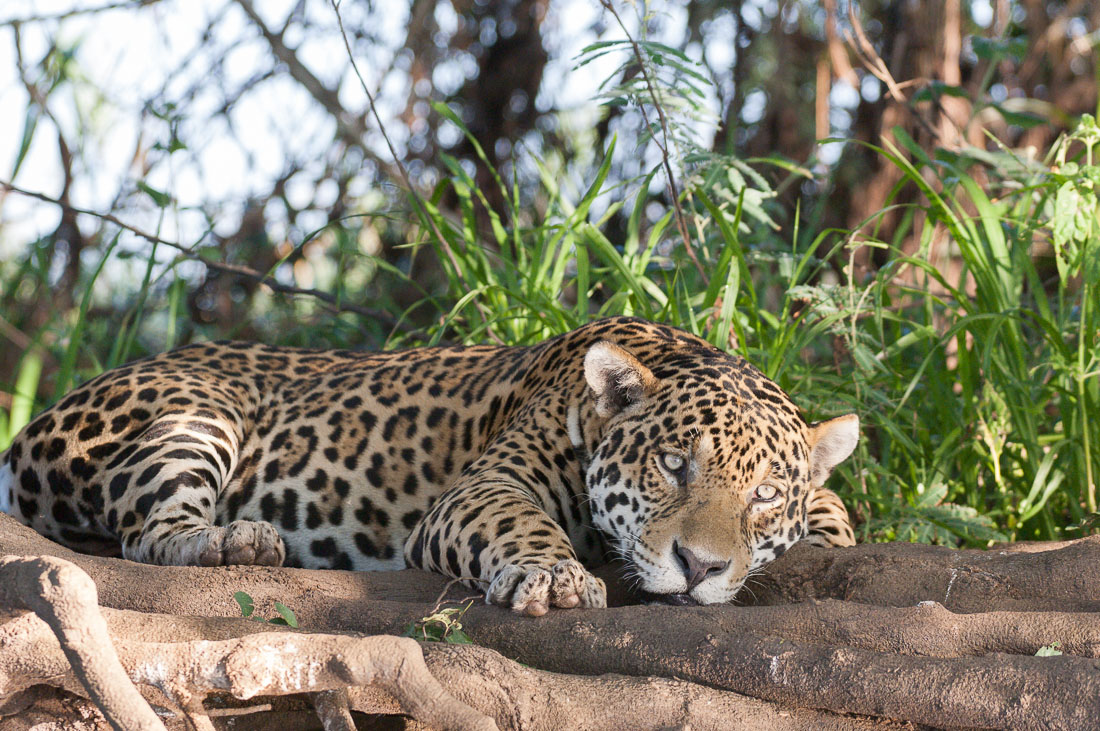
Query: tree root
x=1064, y=577
x=904, y=632
x=991, y=691
x=523, y=698
x=269, y=663
x=64, y=599
x=280, y=661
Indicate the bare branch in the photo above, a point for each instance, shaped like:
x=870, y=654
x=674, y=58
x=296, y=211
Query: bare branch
x=837, y=55
x=421, y=208
x=76, y=12
x=351, y=127
x=333, y=303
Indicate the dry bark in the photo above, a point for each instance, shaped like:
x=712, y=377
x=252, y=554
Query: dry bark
x=1064, y=578
x=516, y=696
x=63, y=599
x=878, y=645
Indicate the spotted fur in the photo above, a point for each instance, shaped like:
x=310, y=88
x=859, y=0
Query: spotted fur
x=510, y=466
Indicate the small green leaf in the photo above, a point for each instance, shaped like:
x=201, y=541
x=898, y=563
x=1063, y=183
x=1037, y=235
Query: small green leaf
x=937, y=89
x=989, y=49
x=162, y=199
x=1025, y=120
x=1051, y=650
x=245, y=602
x=286, y=615
x=30, y=124
x=458, y=637
x=1071, y=214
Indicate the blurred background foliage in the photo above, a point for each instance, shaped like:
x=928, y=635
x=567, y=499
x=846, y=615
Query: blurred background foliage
x=890, y=207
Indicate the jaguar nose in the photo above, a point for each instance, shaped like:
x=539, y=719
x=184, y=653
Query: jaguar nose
x=695, y=569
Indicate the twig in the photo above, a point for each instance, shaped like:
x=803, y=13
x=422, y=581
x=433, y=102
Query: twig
x=681, y=223
x=870, y=58
x=837, y=56
x=334, y=304
x=216, y=712
x=447, y=588
x=873, y=62
x=20, y=339
x=75, y=12
x=351, y=127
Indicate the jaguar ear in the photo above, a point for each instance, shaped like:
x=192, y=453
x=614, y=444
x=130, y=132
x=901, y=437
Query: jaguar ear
x=830, y=444
x=617, y=378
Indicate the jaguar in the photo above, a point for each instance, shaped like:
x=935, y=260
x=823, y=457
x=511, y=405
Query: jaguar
x=512, y=468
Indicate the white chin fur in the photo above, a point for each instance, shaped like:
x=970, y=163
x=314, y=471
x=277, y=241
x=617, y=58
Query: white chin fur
x=7, y=485
x=710, y=592
x=662, y=581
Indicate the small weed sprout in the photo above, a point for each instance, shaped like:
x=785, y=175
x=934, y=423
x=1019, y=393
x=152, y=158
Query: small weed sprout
x=441, y=626
x=286, y=615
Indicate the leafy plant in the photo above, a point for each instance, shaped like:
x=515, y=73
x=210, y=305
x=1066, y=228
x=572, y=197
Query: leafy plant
x=444, y=625
x=286, y=615
x=994, y=368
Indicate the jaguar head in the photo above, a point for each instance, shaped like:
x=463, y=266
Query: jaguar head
x=703, y=466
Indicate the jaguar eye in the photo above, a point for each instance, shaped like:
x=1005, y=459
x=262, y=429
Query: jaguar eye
x=765, y=493
x=674, y=463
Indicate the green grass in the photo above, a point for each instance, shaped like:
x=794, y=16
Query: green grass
x=985, y=385
x=978, y=389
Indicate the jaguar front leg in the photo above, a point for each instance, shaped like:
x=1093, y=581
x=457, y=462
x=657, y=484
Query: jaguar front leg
x=165, y=494
x=493, y=525
x=496, y=535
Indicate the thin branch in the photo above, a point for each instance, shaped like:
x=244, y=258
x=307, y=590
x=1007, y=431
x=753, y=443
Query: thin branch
x=873, y=62
x=837, y=56
x=681, y=223
x=352, y=128
x=76, y=12
x=20, y=339
x=333, y=303
x=447, y=587
x=225, y=712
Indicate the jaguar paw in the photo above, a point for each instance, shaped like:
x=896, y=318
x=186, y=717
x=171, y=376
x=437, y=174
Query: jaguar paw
x=534, y=590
